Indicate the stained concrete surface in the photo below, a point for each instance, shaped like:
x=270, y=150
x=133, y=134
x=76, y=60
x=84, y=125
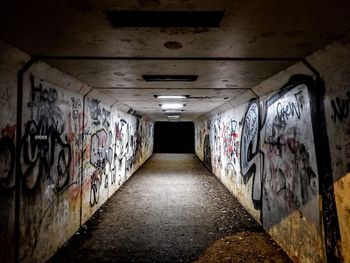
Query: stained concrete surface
x=171, y=210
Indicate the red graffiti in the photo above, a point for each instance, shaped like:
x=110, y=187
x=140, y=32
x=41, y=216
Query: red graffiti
x=9, y=131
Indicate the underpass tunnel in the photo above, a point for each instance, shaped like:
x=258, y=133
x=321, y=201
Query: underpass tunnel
x=173, y=137
x=174, y=131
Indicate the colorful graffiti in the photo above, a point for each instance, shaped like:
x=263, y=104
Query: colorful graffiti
x=67, y=151
x=264, y=151
x=231, y=141
x=115, y=151
x=270, y=150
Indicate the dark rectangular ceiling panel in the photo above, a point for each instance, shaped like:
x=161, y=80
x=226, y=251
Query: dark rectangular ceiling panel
x=165, y=18
x=170, y=77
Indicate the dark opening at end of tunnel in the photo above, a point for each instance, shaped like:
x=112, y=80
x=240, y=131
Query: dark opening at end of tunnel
x=173, y=137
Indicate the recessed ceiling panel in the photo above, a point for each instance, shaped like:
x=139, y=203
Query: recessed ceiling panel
x=211, y=74
x=131, y=18
x=196, y=104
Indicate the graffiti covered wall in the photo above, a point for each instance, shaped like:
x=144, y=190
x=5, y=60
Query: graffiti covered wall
x=50, y=167
x=72, y=161
x=294, y=156
x=8, y=97
x=75, y=151
x=290, y=193
x=115, y=145
x=264, y=153
x=335, y=68
x=97, y=156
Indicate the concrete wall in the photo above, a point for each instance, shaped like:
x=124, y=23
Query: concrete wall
x=285, y=155
x=9, y=64
x=75, y=152
x=333, y=63
x=115, y=145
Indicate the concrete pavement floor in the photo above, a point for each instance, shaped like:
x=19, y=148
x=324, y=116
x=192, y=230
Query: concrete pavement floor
x=171, y=210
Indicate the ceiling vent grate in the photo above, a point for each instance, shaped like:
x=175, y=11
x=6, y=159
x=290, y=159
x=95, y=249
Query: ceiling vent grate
x=170, y=77
x=165, y=18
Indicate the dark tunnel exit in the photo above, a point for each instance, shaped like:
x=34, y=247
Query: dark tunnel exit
x=173, y=137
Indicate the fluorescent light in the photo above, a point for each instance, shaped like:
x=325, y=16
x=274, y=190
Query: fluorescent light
x=170, y=96
x=173, y=117
x=173, y=111
x=168, y=106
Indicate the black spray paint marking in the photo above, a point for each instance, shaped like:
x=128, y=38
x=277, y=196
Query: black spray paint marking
x=76, y=108
x=341, y=108
x=99, y=146
x=114, y=176
x=95, y=112
x=289, y=181
x=289, y=109
x=252, y=159
x=43, y=103
x=99, y=115
x=40, y=95
x=105, y=118
x=101, y=152
x=43, y=150
x=284, y=148
x=95, y=188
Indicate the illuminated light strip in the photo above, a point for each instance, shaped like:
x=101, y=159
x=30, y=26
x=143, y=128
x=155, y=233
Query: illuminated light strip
x=171, y=96
x=169, y=106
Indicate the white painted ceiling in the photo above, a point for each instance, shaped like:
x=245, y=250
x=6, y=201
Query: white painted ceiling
x=250, y=28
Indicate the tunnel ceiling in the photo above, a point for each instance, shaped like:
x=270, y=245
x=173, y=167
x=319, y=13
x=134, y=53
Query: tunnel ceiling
x=270, y=29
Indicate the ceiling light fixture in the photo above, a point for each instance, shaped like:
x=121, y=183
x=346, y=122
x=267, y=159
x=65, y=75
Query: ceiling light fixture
x=171, y=96
x=169, y=106
x=173, y=118
x=190, y=78
x=173, y=111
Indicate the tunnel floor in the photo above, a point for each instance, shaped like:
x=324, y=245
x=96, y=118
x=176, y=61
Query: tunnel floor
x=172, y=210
